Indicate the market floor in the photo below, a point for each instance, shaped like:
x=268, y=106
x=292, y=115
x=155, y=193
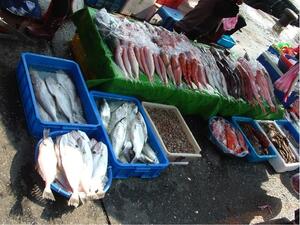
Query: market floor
x=213, y=189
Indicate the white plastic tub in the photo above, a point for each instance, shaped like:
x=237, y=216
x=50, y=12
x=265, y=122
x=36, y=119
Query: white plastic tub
x=279, y=163
x=176, y=158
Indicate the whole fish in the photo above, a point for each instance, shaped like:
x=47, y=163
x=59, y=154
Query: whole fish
x=138, y=57
x=117, y=115
x=137, y=136
x=64, y=80
x=62, y=99
x=149, y=61
x=43, y=114
x=145, y=65
x=126, y=61
x=100, y=162
x=43, y=96
x=46, y=165
x=118, y=136
x=176, y=70
x=133, y=61
x=105, y=113
x=149, y=152
x=72, y=163
x=163, y=70
x=168, y=66
x=119, y=60
x=157, y=67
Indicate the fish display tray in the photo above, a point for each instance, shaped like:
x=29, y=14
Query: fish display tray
x=278, y=163
x=34, y=122
x=220, y=146
x=99, y=136
x=289, y=127
x=125, y=170
x=105, y=75
x=175, y=158
x=253, y=156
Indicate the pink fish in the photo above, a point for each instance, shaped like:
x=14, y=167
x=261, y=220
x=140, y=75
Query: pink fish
x=163, y=70
x=138, y=57
x=176, y=70
x=194, y=73
x=119, y=60
x=183, y=65
x=126, y=61
x=149, y=61
x=133, y=62
x=46, y=165
x=144, y=64
x=157, y=66
x=168, y=66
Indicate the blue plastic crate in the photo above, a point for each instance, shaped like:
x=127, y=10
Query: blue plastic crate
x=220, y=145
x=34, y=122
x=169, y=16
x=99, y=136
x=292, y=130
x=252, y=156
x=125, y=170
x=226, y=41
x=109, y=5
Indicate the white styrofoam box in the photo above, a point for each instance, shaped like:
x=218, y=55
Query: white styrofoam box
x=279, y=163
x=175, y=158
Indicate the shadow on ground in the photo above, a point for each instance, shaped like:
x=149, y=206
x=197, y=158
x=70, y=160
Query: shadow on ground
x=214, y=189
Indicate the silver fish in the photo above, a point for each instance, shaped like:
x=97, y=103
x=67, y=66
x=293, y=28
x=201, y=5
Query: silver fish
x=118, y=136
x=72, y=163
x=64, y=80
x=140, y=118
x=100, y=162
x=43, y=114
x=92, y=143
x=62, y=98
x=105, y=113
x=127, y=151
x=137, y=136
x=150, y=154
x=114, y=105
x=117, y=115
x=42, y=95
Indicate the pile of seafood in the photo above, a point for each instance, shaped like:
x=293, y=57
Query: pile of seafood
x=229, y=136
x=257, y=139
x=56, y=95
x=280, y=142
x=176, y=60
x=127, y=131
x=76, y=163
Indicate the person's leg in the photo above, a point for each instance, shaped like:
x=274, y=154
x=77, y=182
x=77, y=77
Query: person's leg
x=58, y=11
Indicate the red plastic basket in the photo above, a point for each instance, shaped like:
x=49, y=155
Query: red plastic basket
x=170, y=3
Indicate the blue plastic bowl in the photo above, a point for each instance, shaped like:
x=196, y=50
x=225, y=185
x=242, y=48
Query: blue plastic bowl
x=252, y=156
x=219, y=144
x=226, y=41
x=98, y=135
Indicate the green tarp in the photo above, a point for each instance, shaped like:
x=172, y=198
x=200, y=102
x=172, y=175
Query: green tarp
x=106, y=76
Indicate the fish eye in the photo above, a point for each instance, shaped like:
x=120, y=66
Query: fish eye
x=76, y=146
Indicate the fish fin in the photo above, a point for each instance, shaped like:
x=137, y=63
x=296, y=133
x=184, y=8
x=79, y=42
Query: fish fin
x=74, y=200
x=83, y=197
x=47, y=193
x=46, y=133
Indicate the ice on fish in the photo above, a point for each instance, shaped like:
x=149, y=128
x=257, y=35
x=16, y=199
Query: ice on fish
x=118, y=136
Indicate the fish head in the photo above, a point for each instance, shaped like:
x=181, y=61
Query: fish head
x=47, y=143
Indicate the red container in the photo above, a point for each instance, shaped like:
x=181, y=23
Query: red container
x=170, y=3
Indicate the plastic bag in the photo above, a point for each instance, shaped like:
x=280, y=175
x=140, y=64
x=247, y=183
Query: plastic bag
x=229, y=23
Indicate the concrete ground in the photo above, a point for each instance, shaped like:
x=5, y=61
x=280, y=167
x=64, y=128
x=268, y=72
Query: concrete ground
x=213, y=189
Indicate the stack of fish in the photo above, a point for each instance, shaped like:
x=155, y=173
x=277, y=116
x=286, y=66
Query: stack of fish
x=56, y=97
x=228, y=136
x=154, y=49
x=76, y=163
x=128, y=132
x=246, y=80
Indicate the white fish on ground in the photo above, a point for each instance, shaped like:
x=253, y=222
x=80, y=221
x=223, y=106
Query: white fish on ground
x=137, y=136
x=100, y=162
x=150, y=154
x=118, y=136
x=42, y=95
x=64, y=80
x=92, y=143
x=46, y=165
x=117, y=115
x=72, y=163
x=87, y=172
x=105, y=113
x=62, y=98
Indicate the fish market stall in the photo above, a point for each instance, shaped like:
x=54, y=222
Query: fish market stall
x=186, y=76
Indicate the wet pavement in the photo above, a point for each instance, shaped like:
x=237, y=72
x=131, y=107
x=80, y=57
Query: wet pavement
x=213, y=189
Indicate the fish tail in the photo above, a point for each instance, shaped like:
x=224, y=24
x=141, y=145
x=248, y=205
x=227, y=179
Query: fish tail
x=47, y=193
x=74, y=200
